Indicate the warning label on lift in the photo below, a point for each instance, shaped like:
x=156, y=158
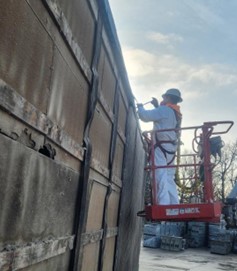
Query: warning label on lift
x=181, y=211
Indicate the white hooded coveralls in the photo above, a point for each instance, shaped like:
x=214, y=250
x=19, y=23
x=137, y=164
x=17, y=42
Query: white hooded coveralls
x=163, y=118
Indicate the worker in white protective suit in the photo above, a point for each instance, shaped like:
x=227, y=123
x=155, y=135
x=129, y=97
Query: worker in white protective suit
x=165, y=116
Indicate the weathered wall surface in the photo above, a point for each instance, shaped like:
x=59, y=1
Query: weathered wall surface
x=71, y=153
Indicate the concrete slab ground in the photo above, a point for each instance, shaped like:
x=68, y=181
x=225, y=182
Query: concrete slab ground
x=188, y=260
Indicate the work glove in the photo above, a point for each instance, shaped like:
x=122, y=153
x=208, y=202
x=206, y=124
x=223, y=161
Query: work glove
x=154, y=102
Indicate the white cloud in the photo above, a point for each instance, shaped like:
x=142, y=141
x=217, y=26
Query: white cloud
x=138, y=62
x=205, y=13
x=167, y=39
x=155, y=73
x=218, y=75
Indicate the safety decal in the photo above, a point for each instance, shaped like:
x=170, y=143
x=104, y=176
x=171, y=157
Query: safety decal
x=181, y=211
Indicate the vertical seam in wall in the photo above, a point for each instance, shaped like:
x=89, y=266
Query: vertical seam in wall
x=111, y=164
x=127, y=131
x=50, y=79
x=84, y=191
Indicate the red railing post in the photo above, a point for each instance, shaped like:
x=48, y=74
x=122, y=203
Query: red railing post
x=208, y=188
x=153, y=169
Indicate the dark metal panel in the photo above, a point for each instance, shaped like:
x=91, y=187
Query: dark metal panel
x=68, y=35
x=37, y=195
x=118, y=158
x=68, y=98
x=90, y=257
x=113, y=205
x=109, y=192
x=17, y=106
x=113, y=40
x=110, y=48
x=107, y=80
x=82, y=24
x=24, y=134
x=100, y=135
x=106, y=107
x=96, y=207
x=109, y=254
x=124, y=97
x=117, y=181
x=26, y=52
x=81, y=214
x=100, y=68
x=96, y=165
x=130, y=226
x=103, y=97
x=122, y=114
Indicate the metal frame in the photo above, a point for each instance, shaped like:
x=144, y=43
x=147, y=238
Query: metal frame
x=208, y=210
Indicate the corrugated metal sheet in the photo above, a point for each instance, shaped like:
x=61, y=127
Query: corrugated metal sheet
x=64, y=90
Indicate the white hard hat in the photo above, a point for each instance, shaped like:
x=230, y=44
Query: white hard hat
x=174, y=92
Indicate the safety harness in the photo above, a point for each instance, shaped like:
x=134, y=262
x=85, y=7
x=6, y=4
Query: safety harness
x=159, y=143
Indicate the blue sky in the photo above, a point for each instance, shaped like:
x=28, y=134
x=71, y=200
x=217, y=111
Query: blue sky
x=187, y=44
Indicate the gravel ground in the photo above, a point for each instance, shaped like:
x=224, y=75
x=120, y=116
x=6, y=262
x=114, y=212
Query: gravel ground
x=190, y=259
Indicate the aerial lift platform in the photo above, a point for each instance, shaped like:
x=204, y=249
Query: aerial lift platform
x=205, y=211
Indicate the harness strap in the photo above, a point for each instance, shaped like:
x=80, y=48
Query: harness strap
x=159, y=142
x=158, y=145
